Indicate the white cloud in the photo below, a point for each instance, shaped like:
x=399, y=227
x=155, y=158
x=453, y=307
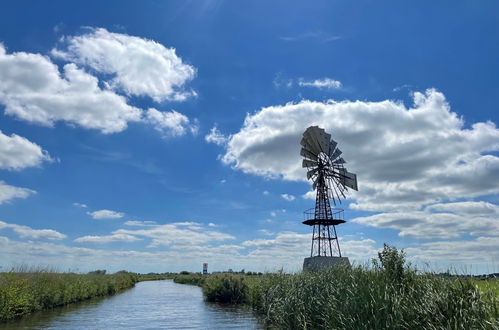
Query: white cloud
x=80, y=205
x=106, y=214
x=139, y=66
x=288, y=197
x=310, y=195
x=471, y=253
x=216, y=137
x=170, y=123
x=326, y=83
x=8, y=192
x=292, y=247
x=265, y=192
x=452, y=220
x=466, y=208
x=32, y=89
x=107, y=239
x=177, y=234
x=28, y=232
x=265, y=232
x=211, y=224
x=404, y=158
x=17, y=152
x=139, y=223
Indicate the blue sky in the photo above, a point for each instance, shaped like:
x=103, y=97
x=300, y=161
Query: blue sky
x=159, y=135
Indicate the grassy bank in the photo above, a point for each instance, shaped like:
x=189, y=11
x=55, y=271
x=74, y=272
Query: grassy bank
x=23, y=292
x=389, y=294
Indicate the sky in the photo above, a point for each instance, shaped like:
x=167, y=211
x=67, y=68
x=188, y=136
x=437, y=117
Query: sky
x=154, y=136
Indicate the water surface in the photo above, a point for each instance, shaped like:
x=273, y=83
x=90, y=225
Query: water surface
x=149, y=305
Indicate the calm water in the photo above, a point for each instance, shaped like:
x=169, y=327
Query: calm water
x=149, y=305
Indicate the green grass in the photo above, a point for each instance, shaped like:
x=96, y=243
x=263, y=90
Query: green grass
x=24, y=291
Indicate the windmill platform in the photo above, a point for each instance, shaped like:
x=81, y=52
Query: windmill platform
x=321, y=262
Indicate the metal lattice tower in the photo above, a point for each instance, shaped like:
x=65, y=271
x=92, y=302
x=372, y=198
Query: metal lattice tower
x=330, y=179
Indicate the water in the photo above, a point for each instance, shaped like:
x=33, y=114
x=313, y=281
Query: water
x=149, y=305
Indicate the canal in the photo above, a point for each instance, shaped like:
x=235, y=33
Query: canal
x=149, y=305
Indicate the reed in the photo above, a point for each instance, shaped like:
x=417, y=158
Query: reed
x=387, y=294
x=23, y=290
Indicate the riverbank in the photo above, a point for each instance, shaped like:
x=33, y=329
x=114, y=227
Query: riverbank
x=389, y=294
x=25, y=291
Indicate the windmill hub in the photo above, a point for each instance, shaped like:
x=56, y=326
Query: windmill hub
x=331, y=181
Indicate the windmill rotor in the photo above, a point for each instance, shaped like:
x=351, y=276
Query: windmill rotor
x=324, y=165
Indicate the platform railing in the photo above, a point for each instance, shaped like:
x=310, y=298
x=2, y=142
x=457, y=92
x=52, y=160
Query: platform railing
x=338, y=214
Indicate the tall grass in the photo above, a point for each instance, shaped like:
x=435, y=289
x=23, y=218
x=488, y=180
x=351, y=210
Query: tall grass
x=389, y=294
x=24, y=291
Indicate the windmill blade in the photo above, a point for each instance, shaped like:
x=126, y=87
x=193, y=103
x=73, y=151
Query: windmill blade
x=308, y=163
x=332, y=147
x=335, y=154
x=305, y=153
x=348, y=179
x=311, y=173
x=340, y=161
x=307, y=144
x=323, y=140
x=319, y=139
x=311, y=136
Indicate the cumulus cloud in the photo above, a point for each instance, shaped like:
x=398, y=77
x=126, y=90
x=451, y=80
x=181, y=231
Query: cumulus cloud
x=404, y=157
x=8, y=192
x=470, y=208
x=28, y=232
x=17, y=152
x=107, y=238
x=216, y=137
x=288, y=197
x=290, y=246
x=427, y=225
x=139, y=66
x=170, y=123
x=106, y=214
x=478, y=251
x=177, y=234
x=33, y=89
x=326, y=83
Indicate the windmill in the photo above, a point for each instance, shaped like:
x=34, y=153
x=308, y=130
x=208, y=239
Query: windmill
x=331, y=181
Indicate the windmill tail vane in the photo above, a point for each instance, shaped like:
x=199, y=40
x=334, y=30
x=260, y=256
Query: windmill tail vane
x=326, y=169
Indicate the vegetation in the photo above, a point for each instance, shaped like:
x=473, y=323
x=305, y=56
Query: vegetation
x=190, y=278
x=24, y=291
x=231, y=289
x=156, y=276
x=390, y=294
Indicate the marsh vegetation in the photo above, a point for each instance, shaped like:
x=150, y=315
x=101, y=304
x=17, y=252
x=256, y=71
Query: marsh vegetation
x=24, y=290
x=388, y=294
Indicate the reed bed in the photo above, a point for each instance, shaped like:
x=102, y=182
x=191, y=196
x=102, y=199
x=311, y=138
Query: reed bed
x=23, y=291
x=388, y=294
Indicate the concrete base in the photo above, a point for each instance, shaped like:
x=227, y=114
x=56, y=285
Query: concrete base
x=316, y=263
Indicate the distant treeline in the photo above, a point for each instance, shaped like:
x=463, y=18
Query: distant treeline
x=389, y=294
x=23, y=291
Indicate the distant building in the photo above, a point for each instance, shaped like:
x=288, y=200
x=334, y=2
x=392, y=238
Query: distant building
x=205, y=268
